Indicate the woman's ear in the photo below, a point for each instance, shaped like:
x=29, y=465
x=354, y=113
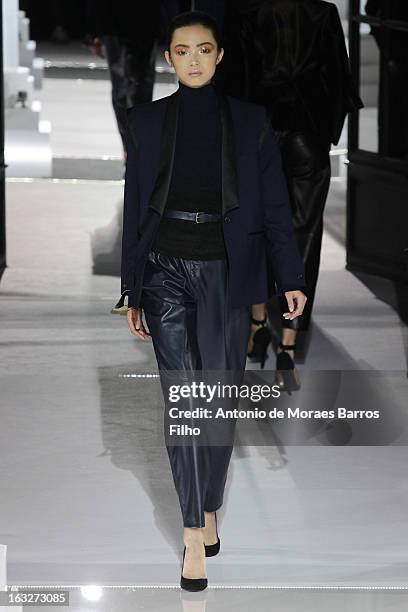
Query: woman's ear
x=220, y=56
x=168, y=58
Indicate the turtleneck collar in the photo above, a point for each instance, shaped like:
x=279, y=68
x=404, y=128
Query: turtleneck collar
x=200, y=96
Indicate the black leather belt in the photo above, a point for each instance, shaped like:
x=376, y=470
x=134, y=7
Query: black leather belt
x=197, y=217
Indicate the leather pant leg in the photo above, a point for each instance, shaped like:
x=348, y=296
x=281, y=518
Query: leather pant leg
x=132, y=69
x=306, y=164
x=193, y=327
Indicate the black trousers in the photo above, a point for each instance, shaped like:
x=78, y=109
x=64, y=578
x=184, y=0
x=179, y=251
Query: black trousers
x=132, y=70
x=306, y=163
x=193, y=327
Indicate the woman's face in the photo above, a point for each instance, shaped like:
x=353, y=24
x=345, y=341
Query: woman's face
x=194, y=55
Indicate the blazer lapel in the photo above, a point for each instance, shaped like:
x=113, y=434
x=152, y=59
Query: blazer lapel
x=167, y=149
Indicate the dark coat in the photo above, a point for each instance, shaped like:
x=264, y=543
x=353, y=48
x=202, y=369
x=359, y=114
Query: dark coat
x=290, y=56
x=257, y=221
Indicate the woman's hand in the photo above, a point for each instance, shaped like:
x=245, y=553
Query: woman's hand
x=136, y=326
x=296, y=302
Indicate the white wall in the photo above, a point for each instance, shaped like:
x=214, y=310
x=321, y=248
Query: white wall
x=342, y=5
x=10, y=33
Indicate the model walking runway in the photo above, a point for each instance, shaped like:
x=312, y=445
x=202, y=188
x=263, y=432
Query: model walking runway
x=206, y=216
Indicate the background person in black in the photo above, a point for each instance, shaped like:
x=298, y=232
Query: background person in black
x=290, y=55
x=127, y=31
x=393, y=114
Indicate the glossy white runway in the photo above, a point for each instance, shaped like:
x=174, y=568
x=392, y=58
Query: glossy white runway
x=86, y=498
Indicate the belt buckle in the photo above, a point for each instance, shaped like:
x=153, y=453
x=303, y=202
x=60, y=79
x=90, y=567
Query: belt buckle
x=197, y=218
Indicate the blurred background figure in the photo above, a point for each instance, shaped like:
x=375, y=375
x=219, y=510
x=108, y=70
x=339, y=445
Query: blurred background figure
x=60, y=11
x=126, y=34
x=393, y=115
x=58, y=21
x=290, y=55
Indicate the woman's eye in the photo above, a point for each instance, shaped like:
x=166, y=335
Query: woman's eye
x=204, y=50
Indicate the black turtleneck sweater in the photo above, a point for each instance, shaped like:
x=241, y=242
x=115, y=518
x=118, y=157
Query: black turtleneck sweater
x=196, y=179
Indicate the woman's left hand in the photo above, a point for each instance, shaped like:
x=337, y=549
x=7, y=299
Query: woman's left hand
x=296, y=302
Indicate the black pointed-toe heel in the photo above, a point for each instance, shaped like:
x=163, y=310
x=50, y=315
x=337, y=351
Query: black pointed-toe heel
x=261, y=340
x=286, y=375
x=192, y=584
x=213, y=549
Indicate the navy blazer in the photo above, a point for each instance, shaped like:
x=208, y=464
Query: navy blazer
x=262, y=254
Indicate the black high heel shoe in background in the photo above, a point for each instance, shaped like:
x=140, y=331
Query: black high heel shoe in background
x=192, y=584
x=261, y=340
x=286, y=374
x=213, y=549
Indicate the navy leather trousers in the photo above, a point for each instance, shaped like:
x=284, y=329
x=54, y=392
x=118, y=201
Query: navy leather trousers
x=193, y=327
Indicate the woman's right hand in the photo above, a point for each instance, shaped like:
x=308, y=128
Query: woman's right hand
x=136, y=326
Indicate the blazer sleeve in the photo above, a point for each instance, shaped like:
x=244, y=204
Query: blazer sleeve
x=283, y=253
x=342, y=91
x=130, y=230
